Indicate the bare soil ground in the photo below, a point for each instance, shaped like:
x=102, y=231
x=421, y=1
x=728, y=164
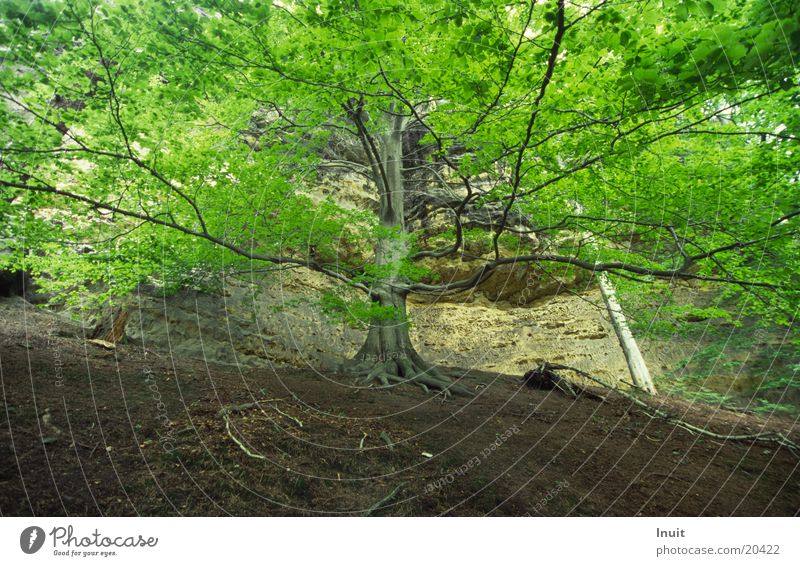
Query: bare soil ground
x=86, y=430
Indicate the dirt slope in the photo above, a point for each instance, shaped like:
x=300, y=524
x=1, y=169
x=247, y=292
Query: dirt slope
x=90, y=431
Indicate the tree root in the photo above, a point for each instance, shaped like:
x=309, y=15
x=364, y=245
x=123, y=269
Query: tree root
x=542, y=377
x=771, y=437
x=402, y=370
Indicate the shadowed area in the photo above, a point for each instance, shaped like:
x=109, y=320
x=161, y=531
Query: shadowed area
x=88, y=430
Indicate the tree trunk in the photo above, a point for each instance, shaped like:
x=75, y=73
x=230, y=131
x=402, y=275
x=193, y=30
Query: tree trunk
x=387, y=356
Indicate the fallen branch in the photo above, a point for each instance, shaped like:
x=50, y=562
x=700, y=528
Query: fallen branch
x=103, y=343
x=239, y=443
x=775, y=437
x=298, y=421
x=229, y=409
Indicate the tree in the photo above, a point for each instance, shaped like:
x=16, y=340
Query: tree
x=589, y=126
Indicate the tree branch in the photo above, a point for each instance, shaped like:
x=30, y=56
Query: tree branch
x=238, y=250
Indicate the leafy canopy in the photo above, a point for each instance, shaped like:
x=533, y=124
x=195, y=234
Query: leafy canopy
x=146, y=140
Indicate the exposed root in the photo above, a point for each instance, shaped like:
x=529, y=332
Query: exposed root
x=393, y=372
x=542, y=377
x=772, y=437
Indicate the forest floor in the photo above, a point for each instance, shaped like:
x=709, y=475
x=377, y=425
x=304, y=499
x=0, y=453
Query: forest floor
x=86, y=430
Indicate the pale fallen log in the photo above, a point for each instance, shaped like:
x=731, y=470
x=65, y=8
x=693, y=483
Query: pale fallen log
x=636, y=364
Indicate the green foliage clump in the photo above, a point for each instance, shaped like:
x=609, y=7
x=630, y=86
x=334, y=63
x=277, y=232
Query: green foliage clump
x=357, y=313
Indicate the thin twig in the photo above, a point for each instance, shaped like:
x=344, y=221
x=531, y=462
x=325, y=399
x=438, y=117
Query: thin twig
x=298, y=421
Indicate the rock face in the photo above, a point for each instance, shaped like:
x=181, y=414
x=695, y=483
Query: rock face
x=566, y=328
x=277, y=321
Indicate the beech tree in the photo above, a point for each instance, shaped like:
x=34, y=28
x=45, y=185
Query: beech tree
x=645, y=139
